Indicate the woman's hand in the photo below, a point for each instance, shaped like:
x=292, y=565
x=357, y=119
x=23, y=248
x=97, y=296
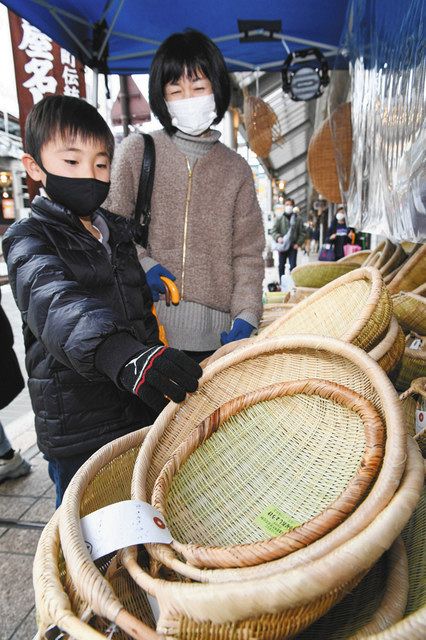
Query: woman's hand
x=240, y=329
x=153, y=278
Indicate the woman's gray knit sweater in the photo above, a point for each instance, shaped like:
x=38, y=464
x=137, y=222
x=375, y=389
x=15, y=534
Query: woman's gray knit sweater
x=206, y=228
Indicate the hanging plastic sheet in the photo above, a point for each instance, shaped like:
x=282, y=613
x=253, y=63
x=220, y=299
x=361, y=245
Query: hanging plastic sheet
x=385, y=44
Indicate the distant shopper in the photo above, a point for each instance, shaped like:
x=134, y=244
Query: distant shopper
x=289, y=235
x=12, y=465
x=339, y=233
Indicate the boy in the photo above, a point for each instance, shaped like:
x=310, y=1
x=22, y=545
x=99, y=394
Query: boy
x=89, y=334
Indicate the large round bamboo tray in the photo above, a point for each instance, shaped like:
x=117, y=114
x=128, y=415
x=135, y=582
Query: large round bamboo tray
x=359, y=258
x=412, y=273
x=272, y=312
x=389, y=351
x=417, y=390
x=229, y=470
x=354, y=308
x=276, y=297
x=358, y=616
x=219, y=610
x=376, y=603
x=255, y=366
x=330, y=147
x=317, y=274
x=413, y=364
x=410, y=310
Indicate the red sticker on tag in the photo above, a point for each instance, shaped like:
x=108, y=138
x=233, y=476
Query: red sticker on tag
x=160, y=524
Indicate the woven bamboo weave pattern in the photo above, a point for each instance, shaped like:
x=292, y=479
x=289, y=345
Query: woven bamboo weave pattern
x=410, y=310
x=221, y=478
x=413, y=364
x=317, y=274
x=332, y=312
x=359, y=258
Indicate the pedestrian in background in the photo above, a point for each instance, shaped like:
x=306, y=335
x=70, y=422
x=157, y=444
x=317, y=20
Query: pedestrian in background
x=289, y=235
x=338, y=233
x=12, y=464
x=206, y=229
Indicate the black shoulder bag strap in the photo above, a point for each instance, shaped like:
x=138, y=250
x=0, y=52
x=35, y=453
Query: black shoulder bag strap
x=142, y=215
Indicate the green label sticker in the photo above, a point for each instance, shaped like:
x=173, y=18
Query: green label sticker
x=275, y=522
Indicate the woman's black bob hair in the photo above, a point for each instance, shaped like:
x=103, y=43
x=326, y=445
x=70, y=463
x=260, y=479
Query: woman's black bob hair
x=187, y=52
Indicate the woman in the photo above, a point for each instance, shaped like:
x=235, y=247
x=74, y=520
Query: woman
x=206, y=226
x=12, y=465
x=339, y=233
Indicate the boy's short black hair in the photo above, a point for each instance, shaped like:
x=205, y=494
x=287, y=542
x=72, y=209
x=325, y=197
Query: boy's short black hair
x=188, y=52
x=67, y=117
x=290, y=200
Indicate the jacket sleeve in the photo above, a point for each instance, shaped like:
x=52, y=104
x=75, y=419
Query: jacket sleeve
x=248, y=243
x=331, y=229
x=125, y=175
x=150, y=321
x=70, y=322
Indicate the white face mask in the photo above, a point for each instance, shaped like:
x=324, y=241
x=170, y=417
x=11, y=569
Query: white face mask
x=288, y=208
x=340, y=217
x=193, y=115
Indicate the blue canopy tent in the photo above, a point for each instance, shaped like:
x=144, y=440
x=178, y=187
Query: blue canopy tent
x=121, y=36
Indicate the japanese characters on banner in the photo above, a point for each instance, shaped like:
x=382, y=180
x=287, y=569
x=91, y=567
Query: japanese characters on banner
x=42, y=68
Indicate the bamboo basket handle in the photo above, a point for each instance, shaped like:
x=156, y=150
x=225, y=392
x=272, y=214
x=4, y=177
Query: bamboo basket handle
x=407, y=393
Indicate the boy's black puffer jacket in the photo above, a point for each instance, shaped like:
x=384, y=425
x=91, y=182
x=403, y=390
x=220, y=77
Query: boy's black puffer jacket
x=74, y=301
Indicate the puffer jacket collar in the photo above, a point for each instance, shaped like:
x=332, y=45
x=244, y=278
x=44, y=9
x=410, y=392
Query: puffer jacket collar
x=50, y=212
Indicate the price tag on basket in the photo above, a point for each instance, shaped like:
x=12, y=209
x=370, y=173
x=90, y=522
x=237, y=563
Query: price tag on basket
x=123, y=524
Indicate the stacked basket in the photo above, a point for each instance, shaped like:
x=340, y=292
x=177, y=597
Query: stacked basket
x=231, y=577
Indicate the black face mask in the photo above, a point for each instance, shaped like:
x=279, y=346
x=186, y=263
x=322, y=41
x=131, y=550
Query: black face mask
x=82, y=196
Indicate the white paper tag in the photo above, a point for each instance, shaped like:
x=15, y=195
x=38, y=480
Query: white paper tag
x=420, y=420
x=123, y=524
x=416, y=344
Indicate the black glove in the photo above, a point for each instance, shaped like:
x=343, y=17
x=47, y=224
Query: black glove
x=159, y=372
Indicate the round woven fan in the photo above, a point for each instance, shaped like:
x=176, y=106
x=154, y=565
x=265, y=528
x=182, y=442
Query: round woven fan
x=261, y=124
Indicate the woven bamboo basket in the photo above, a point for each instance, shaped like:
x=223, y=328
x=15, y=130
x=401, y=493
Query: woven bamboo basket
x=255, y=366
x=300, y=293
x=375, y=255
x=217, y=611
x=421, y=290
x=221, y=475
x=276, y=297
x=354, y=308
x=410, y=310
x=413, y=398
x=413, y=364
x=389, y=352
x=272, y=313
x=57, y=601
x=385, y=255
x=394, y=589
x=397, y=258
x=329, y=145
x=317, y=274
x=412, y=273
x=359, y=258
x=279, y=606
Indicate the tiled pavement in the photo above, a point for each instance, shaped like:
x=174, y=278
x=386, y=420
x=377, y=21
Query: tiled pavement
x=25, y=500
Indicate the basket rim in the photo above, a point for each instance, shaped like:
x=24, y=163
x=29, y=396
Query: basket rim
x=395, y=449
x=362, y=273
x=248, y=554
x=387, y=342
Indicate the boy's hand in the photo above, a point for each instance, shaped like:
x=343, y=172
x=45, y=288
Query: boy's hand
x=153, y=278
x=159, y=373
